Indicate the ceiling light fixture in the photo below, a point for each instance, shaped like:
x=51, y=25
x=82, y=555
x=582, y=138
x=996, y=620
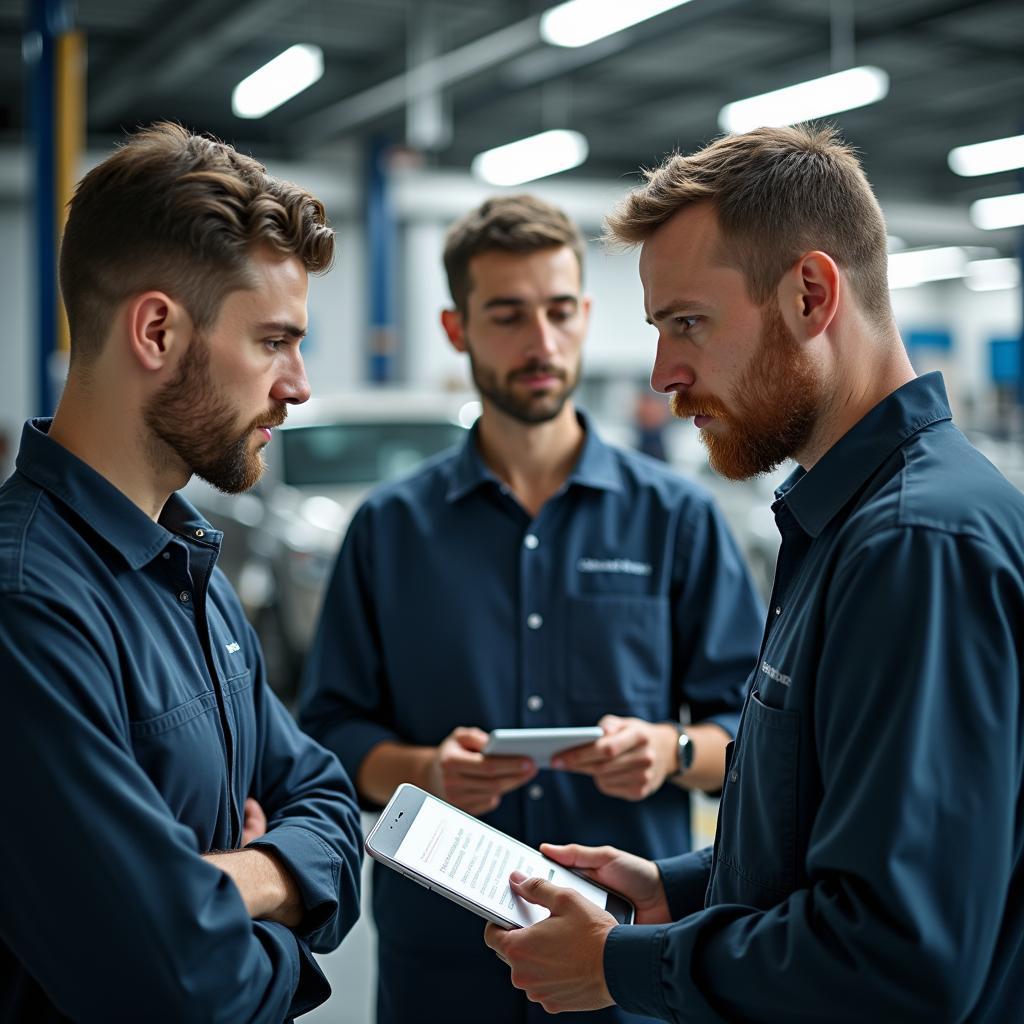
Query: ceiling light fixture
x=992, y=275
x=999, y=212
x=987, y=157
x=579, y=22
x=534, y=157
x=845, y=90
x=918, y=266
x=278, y=81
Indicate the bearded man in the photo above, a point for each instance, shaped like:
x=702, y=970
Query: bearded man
x=137, y=718
x=533, y=577
x=869, y=861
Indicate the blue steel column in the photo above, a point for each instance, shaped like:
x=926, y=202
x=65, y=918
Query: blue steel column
x=381, y=239
x=48, y=19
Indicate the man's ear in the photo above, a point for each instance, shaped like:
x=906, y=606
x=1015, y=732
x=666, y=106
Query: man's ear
x=159, y=329
x=453, y=322
x=808, y=294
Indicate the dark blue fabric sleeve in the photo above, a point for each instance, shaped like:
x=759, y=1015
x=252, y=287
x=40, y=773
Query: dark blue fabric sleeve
x=106, y=900
x=910, y=855
x=345, y=702
x=718, y=618
x=312, y=819
x=685, y=879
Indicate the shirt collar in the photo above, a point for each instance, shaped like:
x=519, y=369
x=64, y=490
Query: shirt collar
x=815, y=496
x=596, y=467
x=108, y=511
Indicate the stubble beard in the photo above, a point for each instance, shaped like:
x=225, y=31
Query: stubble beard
x=528, y=408
x=192, y=418
x=772, y=411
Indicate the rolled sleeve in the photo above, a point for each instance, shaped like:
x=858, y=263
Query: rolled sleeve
x=345, y=701
x=685, y=879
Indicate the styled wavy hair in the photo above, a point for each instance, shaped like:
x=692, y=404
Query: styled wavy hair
x=180, y=213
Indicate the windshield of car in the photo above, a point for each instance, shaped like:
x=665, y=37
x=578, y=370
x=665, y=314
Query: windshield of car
x=361, y=453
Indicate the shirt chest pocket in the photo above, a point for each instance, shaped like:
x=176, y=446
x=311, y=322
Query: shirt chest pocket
x=757, y=841
x=618, y=653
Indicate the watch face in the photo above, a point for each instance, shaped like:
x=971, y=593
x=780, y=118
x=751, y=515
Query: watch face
x=685, y=751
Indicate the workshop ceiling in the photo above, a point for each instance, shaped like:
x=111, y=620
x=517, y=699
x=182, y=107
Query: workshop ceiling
x=956, y=70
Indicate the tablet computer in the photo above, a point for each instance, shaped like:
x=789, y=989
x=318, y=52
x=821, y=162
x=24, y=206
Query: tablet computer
x=468, y=862
x=541, y=744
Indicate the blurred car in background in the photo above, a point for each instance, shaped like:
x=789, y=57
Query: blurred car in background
x=281, y=538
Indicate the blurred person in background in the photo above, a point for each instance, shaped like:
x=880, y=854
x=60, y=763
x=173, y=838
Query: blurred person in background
x=136, y=715
x=535, y=576
x=869, y=862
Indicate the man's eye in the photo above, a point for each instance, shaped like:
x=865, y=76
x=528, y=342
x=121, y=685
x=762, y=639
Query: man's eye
x=275, y=344
x=687, y=322
x=512, y=318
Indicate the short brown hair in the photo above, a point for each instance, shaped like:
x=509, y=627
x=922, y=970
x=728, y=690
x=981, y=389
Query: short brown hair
x=777, y=193
x=521, y=224
x=181, y=213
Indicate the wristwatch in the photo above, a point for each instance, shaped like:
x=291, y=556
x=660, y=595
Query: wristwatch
x=684, y=753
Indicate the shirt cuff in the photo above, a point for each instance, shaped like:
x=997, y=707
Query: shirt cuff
x=727, y=720
x=632, y=969
x=352, y=741
x=685, y=879
x=315, y=868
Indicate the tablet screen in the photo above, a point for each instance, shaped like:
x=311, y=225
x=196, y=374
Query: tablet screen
x=475, y=860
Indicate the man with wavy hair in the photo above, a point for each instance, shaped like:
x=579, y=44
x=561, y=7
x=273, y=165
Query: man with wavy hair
x=869, y=862
x=136, y=718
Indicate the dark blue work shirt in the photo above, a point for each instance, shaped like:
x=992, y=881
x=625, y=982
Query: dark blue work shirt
x=450, y=605
x=869, y=863
x=135, y=719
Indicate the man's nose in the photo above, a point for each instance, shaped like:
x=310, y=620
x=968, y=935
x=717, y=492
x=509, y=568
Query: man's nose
x=670, y=373
x=292, y=387
x=543, y=336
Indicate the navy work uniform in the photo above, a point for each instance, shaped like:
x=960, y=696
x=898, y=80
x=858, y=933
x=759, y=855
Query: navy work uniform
x=450, y=605
x=869, y=863
x=135, y=719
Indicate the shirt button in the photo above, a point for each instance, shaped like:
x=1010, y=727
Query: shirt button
x=778, y=611
x=200, y=533
x=184, y=597
x=535, y=703
x=530, y=541
x=535, y=791
x=534, y=621
x=167, y=554
x=734, y=776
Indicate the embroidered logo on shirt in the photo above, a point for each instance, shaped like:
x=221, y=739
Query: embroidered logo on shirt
x=232, y=647
x=621, y=565
x=773, y=673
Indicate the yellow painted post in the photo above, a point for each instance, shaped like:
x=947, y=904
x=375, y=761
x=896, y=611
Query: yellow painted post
x=69, y=129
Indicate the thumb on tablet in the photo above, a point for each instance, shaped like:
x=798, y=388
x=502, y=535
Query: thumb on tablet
x=538, y=890
x=572, y=855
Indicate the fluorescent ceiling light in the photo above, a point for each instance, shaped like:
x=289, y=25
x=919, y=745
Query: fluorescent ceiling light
x=909, y=269
x=844, y=90
x=580, y=22
x=992, y=275
x=278, y=81
x=531, y=158
x=987, y=157
x=1000, y=212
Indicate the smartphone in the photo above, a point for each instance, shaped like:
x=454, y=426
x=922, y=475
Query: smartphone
x=461, y=858
x=540, y=744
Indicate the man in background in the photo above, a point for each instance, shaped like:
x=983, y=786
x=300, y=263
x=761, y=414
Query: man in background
x=136, y=717
x=533, y=577
x=869, y=862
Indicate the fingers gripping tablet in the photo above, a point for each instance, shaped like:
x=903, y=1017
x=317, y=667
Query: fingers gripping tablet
x=469, y=862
